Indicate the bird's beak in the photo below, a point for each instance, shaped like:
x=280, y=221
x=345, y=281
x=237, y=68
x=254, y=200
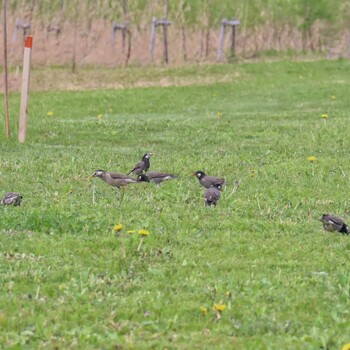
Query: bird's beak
x=91, y=176
x=193, y=174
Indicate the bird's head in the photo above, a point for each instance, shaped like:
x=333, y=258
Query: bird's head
x=98, y=173
x=147, y=155
x=143, y=177
x=198, y=174
x=323, y=218
x=219, y=187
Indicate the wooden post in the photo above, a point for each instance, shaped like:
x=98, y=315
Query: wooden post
x=232, y=23
x=233, y=38
x=22, y=132
x=155, y=23
x=165, y=39
x=153, y=37
x=7, y=119
x=221, y=39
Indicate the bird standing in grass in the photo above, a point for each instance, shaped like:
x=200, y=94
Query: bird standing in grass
x=142, y=166
x=114, y=179
x=156, y=177
x=11, y=198
x=212, y=195
x=208, y=181
x=333, y=223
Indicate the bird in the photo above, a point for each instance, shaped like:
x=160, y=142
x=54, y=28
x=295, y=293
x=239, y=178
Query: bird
x=156, y=176
x=333, y=223
x=11, y=198
x=142, y=166
x=212, y=195
x=116, y=180
x=208, y=181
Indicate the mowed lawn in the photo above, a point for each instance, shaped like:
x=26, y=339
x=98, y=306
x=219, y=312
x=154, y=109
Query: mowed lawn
x=68, y=281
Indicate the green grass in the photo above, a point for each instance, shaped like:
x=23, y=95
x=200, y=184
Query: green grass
x=69, y=281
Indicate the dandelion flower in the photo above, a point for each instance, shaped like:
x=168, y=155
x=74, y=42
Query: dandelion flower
x=219, y=114
x=219, y=307
x=100, y=116
x=324, y=115
x=50, y=113
x=117, y=227
x=130, y=232
x=333, y=97
x=346, y=347
x=312, y=159
x=204, y=310
x=143, y=232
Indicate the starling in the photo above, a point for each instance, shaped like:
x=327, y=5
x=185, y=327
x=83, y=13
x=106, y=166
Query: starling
x=212, y=195
x=332, y=223
x=156, y=177
x=11, y=198
x=114, y=179
x=142, y=166
x=208, y=181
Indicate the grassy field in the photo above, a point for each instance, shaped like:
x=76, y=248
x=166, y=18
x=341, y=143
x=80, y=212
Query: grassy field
x=69, y=281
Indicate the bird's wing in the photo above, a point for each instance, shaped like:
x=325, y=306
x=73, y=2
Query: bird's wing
x=117, y=176
x=335, y=220
x=156, y=174
x=331, y=219
x=137, y=166
x=11, y=195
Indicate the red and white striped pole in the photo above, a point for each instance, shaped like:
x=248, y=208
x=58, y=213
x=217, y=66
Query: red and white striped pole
x=23, y=112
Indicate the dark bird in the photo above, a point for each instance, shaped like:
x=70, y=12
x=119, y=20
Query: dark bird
x=332, y=223
x=208, y=181
x=114, y=179
x=156, y=177
x=142, y=166
x=11, y=198
x=212, y=195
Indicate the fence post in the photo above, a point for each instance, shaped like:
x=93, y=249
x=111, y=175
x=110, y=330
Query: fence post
x=7, y=119
x=165, y=37
x=23, y=112
x=232, y=23
x=221, y=39
x=153, y=37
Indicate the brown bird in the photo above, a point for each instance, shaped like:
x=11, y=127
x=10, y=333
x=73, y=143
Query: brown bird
x=11, y=198
x=114, y=179
x=212, y=195
x=208, y=181
x=156, y=177
x=142, y=166
x=333, y=223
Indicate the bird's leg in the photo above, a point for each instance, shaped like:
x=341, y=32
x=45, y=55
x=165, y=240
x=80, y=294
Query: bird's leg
x=122, y=194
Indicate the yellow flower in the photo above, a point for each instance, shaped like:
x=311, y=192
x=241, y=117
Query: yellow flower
x=130, y=232
x=228, y=294
x=100, y=116
x=219, y=307
x=312, y=159
x=50, y=113
x=346, y=347
x=204, y=310
x=324, y=115
x=143, y=232
x=219, y=114
x=117, y=227
x=333, y=97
